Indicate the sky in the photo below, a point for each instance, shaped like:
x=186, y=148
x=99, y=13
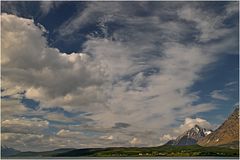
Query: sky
x=109, y=74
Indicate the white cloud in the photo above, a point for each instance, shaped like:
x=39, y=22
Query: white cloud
x=130, y=101
x=68, y=133
x=43, y=71
x=24, y=122
x=135, y=141
x=190, y=123
x=217, y=94
x=23, y=125
x=231, y=83
x=107, y=137
x=209, y=24
x=187, y=124
x=167, y=137
x=88, y=15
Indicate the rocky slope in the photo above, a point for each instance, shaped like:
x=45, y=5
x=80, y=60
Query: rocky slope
x=226, y=135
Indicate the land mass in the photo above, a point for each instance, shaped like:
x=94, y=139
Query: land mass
x=164, y=151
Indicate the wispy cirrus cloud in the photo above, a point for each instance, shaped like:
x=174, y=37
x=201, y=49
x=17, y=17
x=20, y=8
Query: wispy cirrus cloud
x=46, y=6
x=217, y=94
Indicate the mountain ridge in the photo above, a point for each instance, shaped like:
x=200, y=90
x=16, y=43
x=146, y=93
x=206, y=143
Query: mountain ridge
x=190, y=137
x=226, y=134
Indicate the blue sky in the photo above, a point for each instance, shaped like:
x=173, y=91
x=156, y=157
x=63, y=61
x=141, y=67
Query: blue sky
x=101, y=74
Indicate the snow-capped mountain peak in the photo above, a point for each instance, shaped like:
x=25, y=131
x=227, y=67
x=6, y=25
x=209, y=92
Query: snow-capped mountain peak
x=191, y=136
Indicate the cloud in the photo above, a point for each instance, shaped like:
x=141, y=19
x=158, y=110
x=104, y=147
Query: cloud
x=58, y=117
x=68, y=133
x=25, y=126
x=11, y=107
x=232, y=8
x=190, y=123
x=217, y=94
x=24, y=122
x=21, y=141
x=209, y=24
x=135, y=141
x=133, y=80
x=167, y=137
x=46, y=6
x=231, y=83
x=42, y=70
x=87, y=15
x=120, y=125
x=107, y=137
x=187, y=124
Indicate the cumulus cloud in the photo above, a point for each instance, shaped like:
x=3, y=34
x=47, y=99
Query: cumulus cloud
x=187, y=124
x=43, y=71
x=167, y=137
x=190, y=123
x=217, y=94
x=135, y=141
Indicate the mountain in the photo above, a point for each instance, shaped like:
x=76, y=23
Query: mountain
x=227, y=135
x=190, y=137
x=6, y=151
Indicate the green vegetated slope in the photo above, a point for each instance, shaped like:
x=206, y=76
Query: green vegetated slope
x=169, y=151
